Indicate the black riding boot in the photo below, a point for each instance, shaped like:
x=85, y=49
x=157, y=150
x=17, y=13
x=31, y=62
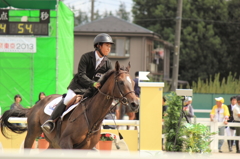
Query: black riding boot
x=49, y=125
x=229, y=145
x=237, y=146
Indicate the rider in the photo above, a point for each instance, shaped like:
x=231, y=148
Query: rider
x=90, y=68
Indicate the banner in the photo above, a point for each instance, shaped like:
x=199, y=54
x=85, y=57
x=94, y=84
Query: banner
x=18, y=44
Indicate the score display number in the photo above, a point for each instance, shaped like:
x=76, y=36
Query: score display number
x=23, y=28
x=3, y=28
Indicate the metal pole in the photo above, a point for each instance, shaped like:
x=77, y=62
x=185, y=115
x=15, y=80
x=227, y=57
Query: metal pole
x=92, y=11
x=177, y=46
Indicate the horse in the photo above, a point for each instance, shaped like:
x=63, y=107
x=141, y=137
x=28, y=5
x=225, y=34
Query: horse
x=125, y=109
x=79, y=129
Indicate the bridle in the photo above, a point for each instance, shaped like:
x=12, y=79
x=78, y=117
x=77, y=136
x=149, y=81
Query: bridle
x=122, y=97
x=96, y=127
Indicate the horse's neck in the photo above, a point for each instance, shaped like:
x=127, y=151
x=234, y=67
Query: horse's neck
x=100, y=103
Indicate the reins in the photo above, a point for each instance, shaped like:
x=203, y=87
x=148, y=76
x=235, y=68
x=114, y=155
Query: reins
x=123, y=98
x=95, y=127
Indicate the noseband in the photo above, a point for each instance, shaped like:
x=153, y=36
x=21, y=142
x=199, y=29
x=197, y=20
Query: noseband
x=122, y=97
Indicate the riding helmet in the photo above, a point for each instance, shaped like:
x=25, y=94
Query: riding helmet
x=102, y=38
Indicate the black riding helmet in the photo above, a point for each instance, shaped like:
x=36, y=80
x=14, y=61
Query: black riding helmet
x=102, y=38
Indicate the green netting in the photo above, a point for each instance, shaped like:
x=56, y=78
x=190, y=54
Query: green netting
x=65, y=50
x=48, y=70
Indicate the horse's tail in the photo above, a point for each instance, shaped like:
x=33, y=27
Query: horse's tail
x=16, y=112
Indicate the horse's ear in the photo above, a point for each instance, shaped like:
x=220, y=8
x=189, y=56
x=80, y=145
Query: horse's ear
x=128, y=67
x=117, y=66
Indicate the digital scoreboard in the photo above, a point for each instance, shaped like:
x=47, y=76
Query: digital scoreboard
x=24, y=28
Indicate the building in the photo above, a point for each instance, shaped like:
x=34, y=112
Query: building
x=133, y=44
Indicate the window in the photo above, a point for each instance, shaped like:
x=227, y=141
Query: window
x=120, y=49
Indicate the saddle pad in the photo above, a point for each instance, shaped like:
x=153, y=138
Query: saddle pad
x=51, y=106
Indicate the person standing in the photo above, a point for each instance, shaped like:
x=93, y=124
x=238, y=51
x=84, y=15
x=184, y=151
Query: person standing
x=137, y=91
x=40, y=96
x=220, y=113
x=91, y=67
x=231, y=130
x=188, y=109
x=16, y=104
x=17, y=100
x=236, y=119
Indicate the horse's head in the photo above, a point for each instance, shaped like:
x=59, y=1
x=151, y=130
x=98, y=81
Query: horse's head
x=124, y=87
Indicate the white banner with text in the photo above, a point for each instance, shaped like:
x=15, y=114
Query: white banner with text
x=18, y=44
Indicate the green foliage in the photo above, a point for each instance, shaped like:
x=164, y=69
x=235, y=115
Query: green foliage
x=80, y=18
x=171, y=123
x=190, y=137
x=209, y=34
x=212, y=85
x=106, y=137
x=215, y=85
x=198, y=138
x=122, y=13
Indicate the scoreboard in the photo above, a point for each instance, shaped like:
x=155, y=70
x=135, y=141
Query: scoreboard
x=24, y=28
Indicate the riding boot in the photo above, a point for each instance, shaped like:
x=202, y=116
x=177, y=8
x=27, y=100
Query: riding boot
x=229, y=145
x=237, y=146
x=49, y=125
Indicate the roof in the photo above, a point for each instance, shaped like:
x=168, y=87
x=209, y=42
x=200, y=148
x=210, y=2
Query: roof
x=112, y=24
x=29, y=4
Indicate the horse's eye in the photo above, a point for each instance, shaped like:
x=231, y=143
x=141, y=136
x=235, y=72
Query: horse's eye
x=121, y=82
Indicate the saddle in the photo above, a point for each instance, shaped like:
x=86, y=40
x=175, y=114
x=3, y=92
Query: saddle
x=74, y=101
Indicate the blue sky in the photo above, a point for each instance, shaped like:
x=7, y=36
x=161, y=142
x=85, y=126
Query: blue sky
x=101, y=5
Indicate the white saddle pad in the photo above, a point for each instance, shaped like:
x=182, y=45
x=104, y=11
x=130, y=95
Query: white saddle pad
x=51, y=106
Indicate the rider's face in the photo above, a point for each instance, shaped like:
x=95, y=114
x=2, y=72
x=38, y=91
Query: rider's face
x=105, y=48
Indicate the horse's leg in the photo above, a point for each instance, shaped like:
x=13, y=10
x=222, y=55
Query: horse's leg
x=131, y=116
x=29, y=140
x=32, y=133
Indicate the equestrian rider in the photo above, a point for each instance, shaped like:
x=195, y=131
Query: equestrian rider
x=90, y=68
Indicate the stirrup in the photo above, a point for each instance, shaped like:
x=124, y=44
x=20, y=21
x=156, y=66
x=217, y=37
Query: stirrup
x=46, y=122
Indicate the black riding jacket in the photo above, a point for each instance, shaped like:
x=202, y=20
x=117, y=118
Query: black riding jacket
x=87, y=74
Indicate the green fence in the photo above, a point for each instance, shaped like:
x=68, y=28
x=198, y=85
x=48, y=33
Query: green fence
x=207, y=101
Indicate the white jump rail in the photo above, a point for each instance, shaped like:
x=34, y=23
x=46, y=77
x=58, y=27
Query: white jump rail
x=105, y=122
x=206, y=121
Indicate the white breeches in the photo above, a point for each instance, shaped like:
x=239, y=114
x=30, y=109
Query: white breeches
x=69, y=96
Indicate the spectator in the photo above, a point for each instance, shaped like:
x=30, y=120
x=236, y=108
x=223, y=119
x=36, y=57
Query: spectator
x=137, y=92
x=40, y=96
x=188, y=109
x=236, y=119
x=220, y=113
x=136, y=86
x=164, y=113
x=164, y=109
x=231, y=130
x=17, y=100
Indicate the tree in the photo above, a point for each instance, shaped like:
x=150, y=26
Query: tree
x=233, y=33
x=97, y=15
x=122, y=13
x=202, y=52
x=81, y=18
x=106, y=14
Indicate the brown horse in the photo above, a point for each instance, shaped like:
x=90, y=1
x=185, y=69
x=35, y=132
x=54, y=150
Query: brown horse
x=125, y=109
x=79, y=129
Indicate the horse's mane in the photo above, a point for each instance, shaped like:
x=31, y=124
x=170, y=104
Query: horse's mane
x=104, y=78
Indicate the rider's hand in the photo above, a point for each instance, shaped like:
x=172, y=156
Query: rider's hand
x=225, y=122
x=96, y=85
